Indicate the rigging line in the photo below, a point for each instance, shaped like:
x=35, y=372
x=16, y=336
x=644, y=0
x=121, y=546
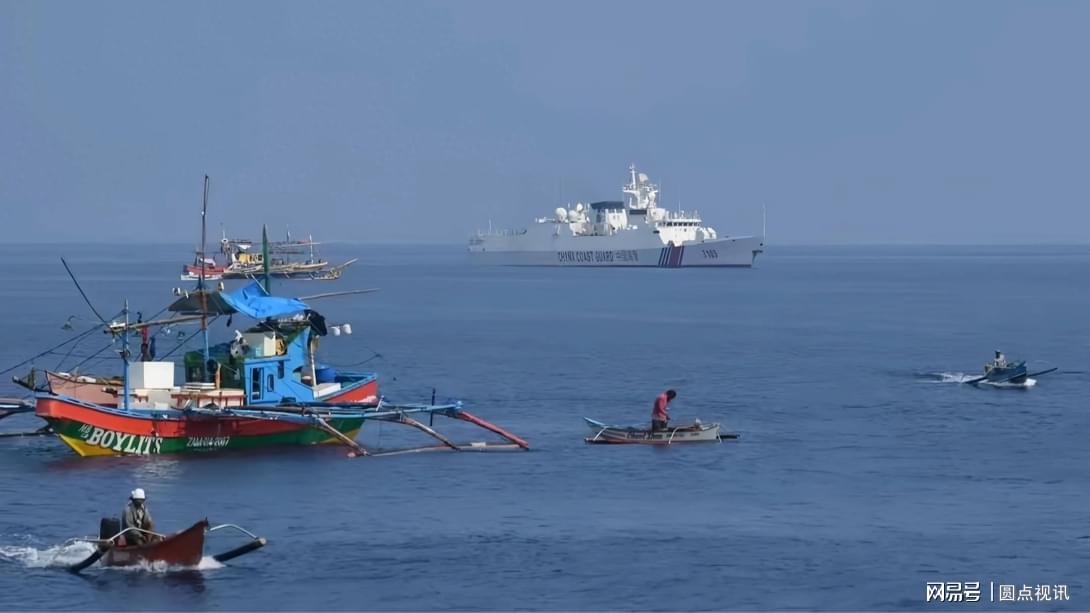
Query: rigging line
x=183, y=343
x=361, y=363
x=81, y=292
x=69, y=353
x=93, y=356
x=48, y=351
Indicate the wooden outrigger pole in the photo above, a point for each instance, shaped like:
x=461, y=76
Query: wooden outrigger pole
x=395, y=413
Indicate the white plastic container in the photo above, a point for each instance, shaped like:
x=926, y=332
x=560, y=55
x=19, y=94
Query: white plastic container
x=151, y=375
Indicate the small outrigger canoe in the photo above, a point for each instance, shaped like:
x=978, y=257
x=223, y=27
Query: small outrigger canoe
x=629, y=435
x=184, y=549
x=1014, y=374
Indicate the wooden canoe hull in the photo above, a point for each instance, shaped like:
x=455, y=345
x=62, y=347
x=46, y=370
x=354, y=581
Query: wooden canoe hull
x=620, y=435
x=184, y=548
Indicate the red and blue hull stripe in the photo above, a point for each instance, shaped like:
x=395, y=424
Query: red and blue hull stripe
x=671, y=256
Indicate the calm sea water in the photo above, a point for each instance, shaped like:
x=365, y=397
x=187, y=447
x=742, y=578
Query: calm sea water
x=862, y=472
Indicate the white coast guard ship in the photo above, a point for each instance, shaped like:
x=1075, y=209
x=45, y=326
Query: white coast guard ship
x=635, y=232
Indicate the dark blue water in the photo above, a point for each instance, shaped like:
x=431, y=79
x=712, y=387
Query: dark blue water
x=859, y=477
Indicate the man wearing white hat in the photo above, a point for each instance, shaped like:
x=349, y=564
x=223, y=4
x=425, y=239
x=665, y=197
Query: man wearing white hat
x=136, y=515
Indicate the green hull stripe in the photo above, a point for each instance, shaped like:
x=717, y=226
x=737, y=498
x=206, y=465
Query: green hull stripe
x=93, y=440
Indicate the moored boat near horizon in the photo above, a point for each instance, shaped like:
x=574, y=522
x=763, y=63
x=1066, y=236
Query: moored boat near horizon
x=294, y=259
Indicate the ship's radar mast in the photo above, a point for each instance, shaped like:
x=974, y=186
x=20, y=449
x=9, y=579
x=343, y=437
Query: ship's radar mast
x=641, y=191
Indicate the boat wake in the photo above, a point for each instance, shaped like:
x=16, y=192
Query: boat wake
x=58, y=556
x=63, y=556
x=960, y=377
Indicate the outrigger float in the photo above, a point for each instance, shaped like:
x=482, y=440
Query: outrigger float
x=696, y=432
x=181, y=549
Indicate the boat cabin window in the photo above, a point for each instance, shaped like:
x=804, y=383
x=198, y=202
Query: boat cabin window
x=255, y=384
x=270, y=382
x=280, y=369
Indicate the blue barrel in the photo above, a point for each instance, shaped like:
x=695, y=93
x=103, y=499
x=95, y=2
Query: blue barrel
x=326, y=374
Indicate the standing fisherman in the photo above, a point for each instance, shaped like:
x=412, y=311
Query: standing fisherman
x=660, y=416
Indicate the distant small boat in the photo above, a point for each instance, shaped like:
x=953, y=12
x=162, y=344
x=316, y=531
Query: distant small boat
x=688, y=433
x=1000, y=371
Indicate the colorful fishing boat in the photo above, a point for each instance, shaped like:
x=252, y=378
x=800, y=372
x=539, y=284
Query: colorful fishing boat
x=181, y=549
x=265, y=388
x=268, y=363
x=695, y=432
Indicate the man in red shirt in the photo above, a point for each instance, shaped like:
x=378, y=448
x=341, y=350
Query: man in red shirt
x=660, y=417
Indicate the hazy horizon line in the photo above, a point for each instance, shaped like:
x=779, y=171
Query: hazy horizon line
x=409, y=243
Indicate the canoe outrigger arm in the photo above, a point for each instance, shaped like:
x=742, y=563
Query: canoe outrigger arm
x=256, y=542
x=400, y=414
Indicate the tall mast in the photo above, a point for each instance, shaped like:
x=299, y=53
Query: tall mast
x=125, y=356
x=200, y=281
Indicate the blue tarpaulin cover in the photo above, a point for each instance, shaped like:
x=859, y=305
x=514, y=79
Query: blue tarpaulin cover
x=251, y=300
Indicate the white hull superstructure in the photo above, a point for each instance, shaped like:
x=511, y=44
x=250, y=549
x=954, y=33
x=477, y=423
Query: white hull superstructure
x=617, y=233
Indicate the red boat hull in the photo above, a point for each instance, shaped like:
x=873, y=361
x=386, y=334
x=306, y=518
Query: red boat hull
x=184, y=548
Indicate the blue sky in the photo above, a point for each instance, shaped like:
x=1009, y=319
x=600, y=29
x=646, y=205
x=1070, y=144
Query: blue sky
x=854, y=122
